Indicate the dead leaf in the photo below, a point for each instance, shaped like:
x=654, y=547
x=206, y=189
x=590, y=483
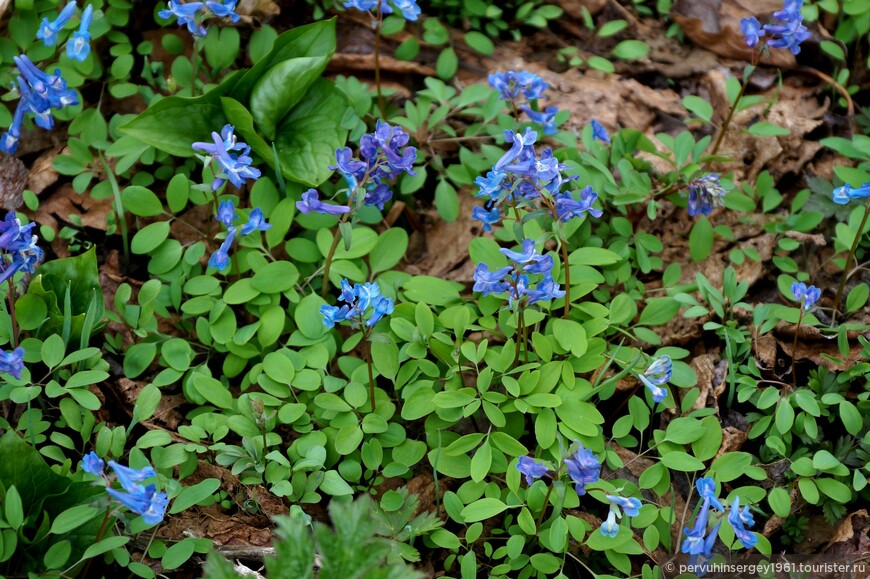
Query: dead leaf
x=42, y=174
x=13, y=176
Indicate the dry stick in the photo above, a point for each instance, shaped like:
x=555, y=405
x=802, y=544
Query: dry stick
x=378, y=60
x=849, y=259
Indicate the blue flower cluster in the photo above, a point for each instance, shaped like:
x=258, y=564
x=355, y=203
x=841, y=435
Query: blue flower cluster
x=583, y=468
x=789, y=33
x=705, y=194
x=359, y=300
x=18, y=242
x=79, y=46
x=629, y=506
x=237, y=168
x=521, y=89
x=522, y=177
x=40, y=92
x=846, y=193
x=657, y=375
x=142, y=500
x=226, y=214
x=599, y=132
x=311, y=202
x=808, y=296
x=186, y=13
x=699, y=541
x=12, y=362
x=515, y=279
x=408, y=8
x=384, y=154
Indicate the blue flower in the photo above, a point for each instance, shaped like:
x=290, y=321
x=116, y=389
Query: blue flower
x=658, y=374
x=236, y=168
x=545, y=118
x=12, y=232
x=378, y=195
x=738, y=520
x=146, y=502
x=311, y=202
x=186, y=15
x=41, y=92
x=492, y=185
x=846, y=193
x=79, y=46
x=47, y=32
x=695, y=542
x=528, y=254
x=531, y=468
x=92, y=463
x=381, y=306
x=363, y=5
x=790, y=34
x=630, y=505
x=333, y=314
x=226, y=213
x=705, y=194
x=409, y=9
x=131, y=477
x=9, y=140
x=256, y=222
x=808, y=296
x=220, y=259
x=489, y=218
x=487, y=282
x=791, y=11
x=752, y=30
x=522, y=150
x=12, y=363
x=583, y=468
x=512, y=84
x=224, y=9
x=610, y=528
x=567, y=208
x=707, y=490
x=599, y=132
x=546, y=290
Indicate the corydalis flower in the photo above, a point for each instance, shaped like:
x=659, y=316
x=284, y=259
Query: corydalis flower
x=17, y=242
x=511, y=85
x=12, y=363
x=599, y=132
x=360, y=301
x=567, y=207
x=739, y=520
x=79, y=46
x=531, y=468
x=808, y=296
x=610, y=528
x=752, y=30
x=514, y=279
x=92, y=463
x=488, y=218
x=545, y=118
x=186, y=14
x=226, y=214
x=236, y=168
x=311, y=202
x=846, y=193
x=143, y=500
x=705, y=194
x=584, y=468
x=657, y=375
x=48, y=30
x=789, y=34
x=629, y=505
x=408, y=8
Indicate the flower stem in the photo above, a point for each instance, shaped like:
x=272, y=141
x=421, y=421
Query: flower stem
x=98, y=539
x=378, y=20
x=849, y=259
x=794, y=347
x=543, y=508
x=734, y=106
x=371, y=377
x=328, y=263
x=564, y=245
x=10, y=297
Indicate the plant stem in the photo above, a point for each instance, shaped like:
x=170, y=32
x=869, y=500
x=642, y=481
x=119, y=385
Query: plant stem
x=369, y=364
x=119, y=209
x=564, y=245
x=734, y=106
x=849, y=259
x=328, y=263
x=10, y=297
x=378, y=20
x=99, y=538
x=543, y=508
x=794, y=347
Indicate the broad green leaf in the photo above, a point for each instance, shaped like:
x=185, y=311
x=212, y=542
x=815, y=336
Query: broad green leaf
x=281, y=87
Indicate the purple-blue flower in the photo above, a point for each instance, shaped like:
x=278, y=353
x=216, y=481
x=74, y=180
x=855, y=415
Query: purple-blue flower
x=131, y=477
x=185, y=14
x=545, y=118
x=599, y=132
x=12, y=363
x=492, y=185
x=706, y=487
x=520, y=157
x=547, y=289
x=791, y=11
x=788, y=35
x=568, y=208
x=657, y=375
x=512, y=84
x=705, y=193
x=490, y=282
x=531, y=468
x=224, y=9
x=333, y=314
x=610, y=528
x=92, y=463
x=808, y=296
x=846, y=193
x=48, y=30
x=79, y=46
x=236, y=168
x=629, y=505
x=226, y=213
x=362, y=5
x=408, y=8
x=583, y=468
x=752, y=30
x=146, y=502
x=695, y=542
x=220, y=259
x=20, y=244
x=738, y=521
x=256, y=222
x=489, y=218
x=360, y=299
x=527, y=255
x=311, y=202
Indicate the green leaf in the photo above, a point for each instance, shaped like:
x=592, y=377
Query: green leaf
x=334, y=485
x=699, y=107
x=311, y=132
x=30, y=312
x=483, y=509
x=659, y=311
x=13, y=509
x=389, y=250
x=141, y=201
x=765, y=129
x=275, y=277
x=149, y=237
x=570, y=335
x=213, y=391
x=479, y=42
x=701, y=239
x=681, y=461
x=447, y=63
x=178, y=554
x=446, y=201
x=779, y=501
x=241, y=118
x=193, y=495
x=630, y=50
x=74, y=518
x=281, y=87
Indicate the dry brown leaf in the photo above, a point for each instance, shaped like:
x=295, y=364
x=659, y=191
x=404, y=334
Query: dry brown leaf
x=13, y=175
x=42, y=174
